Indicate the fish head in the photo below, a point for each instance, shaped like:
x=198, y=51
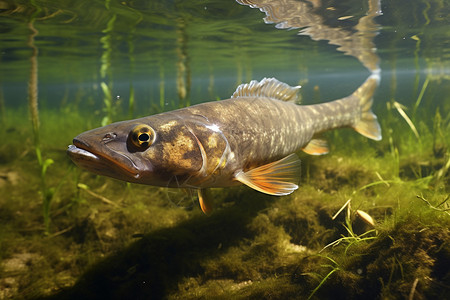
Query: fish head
x=157, y=150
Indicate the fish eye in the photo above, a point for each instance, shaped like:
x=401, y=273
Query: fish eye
x=142, y=136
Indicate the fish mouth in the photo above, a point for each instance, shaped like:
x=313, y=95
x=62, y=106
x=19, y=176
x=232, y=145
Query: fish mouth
x=77, y=152
x=115, y=165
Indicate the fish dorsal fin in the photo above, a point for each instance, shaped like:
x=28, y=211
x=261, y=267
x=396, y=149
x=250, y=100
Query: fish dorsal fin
x=206, y=204
x=276, y=178
x=316, y=147
x=268, y=87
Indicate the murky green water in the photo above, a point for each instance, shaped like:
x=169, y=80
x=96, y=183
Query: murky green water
x=70, y=66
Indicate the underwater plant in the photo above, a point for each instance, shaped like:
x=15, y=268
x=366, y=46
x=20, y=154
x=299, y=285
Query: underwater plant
x=131, y=55
x=2, y=108
x=183, y=65
x=46, y=191
x=105, y=72
x=161, y=86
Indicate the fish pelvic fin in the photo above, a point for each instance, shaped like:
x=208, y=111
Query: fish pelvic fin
x=270, y=88
x=368, y=124
x=206, y=203
x=276, y=178
x=316, y=147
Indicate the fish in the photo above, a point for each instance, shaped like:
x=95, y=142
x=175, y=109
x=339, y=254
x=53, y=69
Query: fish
x=251, y=139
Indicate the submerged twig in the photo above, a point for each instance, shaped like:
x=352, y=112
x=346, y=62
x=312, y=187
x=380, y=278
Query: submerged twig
x=102, y=198
x=445, y=210
x=61, y=232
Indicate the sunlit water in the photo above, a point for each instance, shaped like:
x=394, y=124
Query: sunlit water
x=222, y=43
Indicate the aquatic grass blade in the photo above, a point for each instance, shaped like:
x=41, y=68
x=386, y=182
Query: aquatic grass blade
x=402, y=112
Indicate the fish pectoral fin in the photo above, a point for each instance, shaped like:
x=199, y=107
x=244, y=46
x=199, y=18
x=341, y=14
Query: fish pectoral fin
x=205, y=201
x=276, y=178
x=316, y=147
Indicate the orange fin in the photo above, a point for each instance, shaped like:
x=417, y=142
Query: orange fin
x=368, y=125
x=205, y=202
x=276, y=178
x=316, y=147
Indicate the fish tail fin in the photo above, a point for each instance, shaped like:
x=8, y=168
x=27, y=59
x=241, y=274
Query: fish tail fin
x=368, y=125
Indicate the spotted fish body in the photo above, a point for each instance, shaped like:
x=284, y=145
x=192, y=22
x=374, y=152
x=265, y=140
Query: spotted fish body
x=250, y=139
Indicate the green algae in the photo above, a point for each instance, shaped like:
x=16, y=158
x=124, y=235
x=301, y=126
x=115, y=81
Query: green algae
x=109, y=238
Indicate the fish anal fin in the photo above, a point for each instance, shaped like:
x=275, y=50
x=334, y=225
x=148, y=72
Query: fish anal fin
x=276, y=178
x=316, y=147
x=270, y=88
x=206, y=203
x=368, y=126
